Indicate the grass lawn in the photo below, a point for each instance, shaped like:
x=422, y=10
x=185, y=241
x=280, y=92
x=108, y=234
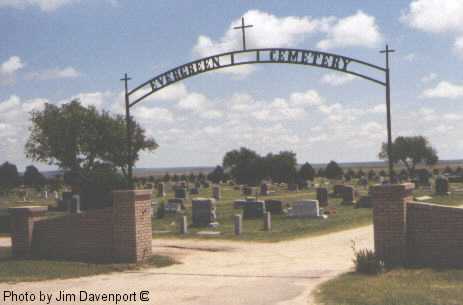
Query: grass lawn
x=283, y=228
x=12, y=270
x=396, y=287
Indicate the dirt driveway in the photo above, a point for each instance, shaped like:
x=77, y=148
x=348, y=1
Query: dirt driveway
x=220, y=272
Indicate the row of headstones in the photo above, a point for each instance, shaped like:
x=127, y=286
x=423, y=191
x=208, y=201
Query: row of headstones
x=237, y=223
x=181, y=191
x=69, y=203
x=204, y=209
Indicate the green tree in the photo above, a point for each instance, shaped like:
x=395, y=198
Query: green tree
x=9, y=177
x=216, y=175
x=306, y=172
x=410, y=151
x=333, y=171
x=245, y=166
x=78, y=138
x=280, y=167
x=33, y=178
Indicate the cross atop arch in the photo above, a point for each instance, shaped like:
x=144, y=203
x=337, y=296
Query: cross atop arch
x=243, y=30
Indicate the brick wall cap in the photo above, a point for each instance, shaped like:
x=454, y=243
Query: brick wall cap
x=138, y=192
x=27, y=209
x=408, y=186
x=435, y=205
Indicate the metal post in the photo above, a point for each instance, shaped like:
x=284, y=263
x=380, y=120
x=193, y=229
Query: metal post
x=388, y=109
x=129, y=133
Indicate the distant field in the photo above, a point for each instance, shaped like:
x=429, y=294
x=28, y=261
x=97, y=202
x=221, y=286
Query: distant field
x=365, y=166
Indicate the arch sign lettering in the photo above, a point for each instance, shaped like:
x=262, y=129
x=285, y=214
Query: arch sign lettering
x=309, y=58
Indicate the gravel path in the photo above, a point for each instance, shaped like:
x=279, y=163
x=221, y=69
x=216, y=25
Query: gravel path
x=221, y=272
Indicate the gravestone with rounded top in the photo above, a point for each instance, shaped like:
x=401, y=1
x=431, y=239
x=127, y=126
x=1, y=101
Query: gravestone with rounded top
x=442, y=186
x=203, y=211
x=253, y=209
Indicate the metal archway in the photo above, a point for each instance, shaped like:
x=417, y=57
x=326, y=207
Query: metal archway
x=258, y=56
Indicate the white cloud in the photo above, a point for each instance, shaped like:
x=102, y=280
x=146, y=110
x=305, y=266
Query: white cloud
x=444, y=89
x=193, y=101
x=359, y=30
x=410, y=57
x=380, y=108
x=68, y=72
x=429, y=78
x=269, y=30
x=435, y=15
x=336, y=79
x=458, y=46
x=452, y=117
x=153, y=114
x=44, y=5
x=308, y=98
x=9, y=68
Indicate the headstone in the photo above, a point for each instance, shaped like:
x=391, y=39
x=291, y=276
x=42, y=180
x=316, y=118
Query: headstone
x=65, y=204
x=337, y=190
x=365, y=202
x=302, y=185
x=238, y=204
x=293, y=187
x=161, y=190
x=363, y=181
x=247, y=191
x=264, y=189
x=304, y=208
x=274, y=206
x=203, y=212
x=194, y=191
x=238, y=224
x=181, y=193
x=348, y=195
x=206, y=184
x=75, y=204
x=45, y=195
x=55, y=195
x=442, y=186
x=253, y=209
x=174, y=205
x=216, y=194
x=322, y=196
x=183, y=224
x=267, y=221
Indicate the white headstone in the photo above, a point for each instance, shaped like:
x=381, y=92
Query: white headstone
x=172, y=207
x=304, y=208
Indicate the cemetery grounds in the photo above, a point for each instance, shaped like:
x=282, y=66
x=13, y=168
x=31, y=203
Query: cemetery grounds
x=442, y=286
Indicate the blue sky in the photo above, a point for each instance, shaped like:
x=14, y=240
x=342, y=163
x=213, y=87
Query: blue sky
x=56, y=50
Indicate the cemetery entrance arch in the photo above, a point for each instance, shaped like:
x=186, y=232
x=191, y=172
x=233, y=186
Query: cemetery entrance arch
x=312, y=58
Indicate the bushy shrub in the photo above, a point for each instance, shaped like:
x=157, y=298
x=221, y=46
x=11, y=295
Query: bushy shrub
x=97, y=186
x=366, y=262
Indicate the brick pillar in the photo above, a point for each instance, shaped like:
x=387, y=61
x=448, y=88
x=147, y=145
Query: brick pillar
x=132, y=231
x=22, y=227
x=390, y=221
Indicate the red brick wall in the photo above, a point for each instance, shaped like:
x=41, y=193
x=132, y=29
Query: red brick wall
x=434, y=235
x=86, y=236
x=389, y=218
x=414, y=233
x=120, y=233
